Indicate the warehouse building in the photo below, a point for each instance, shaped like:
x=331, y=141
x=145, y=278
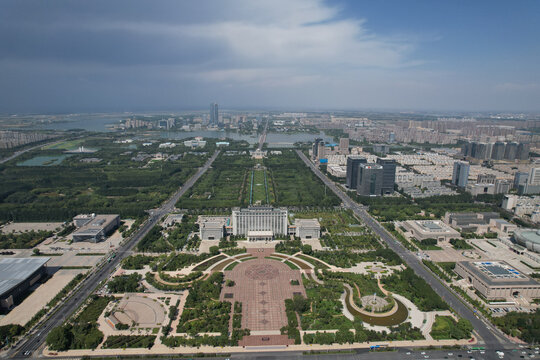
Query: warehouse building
x=497, y=280
x=94, y=228
x=17, y=275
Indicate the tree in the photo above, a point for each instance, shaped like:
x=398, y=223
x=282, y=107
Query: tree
x=307, y=249
x=36, y=251
x=214, y=250
x=59, y=338
x=299, y=304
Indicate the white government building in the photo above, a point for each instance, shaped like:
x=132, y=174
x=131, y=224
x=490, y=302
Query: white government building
x=257, y=223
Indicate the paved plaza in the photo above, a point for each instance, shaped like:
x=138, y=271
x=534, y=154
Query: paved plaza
x=262, y=285
x=141, y=310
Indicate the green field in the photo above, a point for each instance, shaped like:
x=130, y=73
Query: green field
x=259, y=188
x=64, y=145
x=228, y=184
x=294, y=184
x=445, y=327
x=117, y=184
x=224, y=185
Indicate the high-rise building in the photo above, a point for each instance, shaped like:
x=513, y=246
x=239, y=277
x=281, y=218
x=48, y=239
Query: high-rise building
x=344, y=146
x=510, y=152
x=520, y=178
x=214, y=114
x=389, y=175
x=460, y=175
x=353, y=162
x=498, y=151
x=370, y=179
x=534, y=176
x=315, y=148
x=391, y=137
x=523, y=151
x=321, y=151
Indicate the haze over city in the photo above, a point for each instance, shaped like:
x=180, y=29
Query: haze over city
x=63, y=56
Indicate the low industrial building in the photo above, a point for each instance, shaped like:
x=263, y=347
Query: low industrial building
x=528, y=238
x=430, y=229
x=497, y=280
x=94, y=228
x=17, y=275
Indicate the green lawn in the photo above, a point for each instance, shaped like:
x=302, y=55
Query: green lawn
x=259, y=189
x=65, y=145
x=226, y=184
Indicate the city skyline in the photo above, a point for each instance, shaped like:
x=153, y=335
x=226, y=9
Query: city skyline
x=313, y=55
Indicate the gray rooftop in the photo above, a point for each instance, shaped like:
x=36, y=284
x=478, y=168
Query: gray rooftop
x=16, y=270
x=495, y=273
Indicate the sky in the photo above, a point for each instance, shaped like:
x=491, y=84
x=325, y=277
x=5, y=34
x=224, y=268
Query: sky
x=131, y=55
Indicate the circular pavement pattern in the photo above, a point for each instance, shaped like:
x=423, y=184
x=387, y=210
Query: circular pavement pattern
x=262, y=272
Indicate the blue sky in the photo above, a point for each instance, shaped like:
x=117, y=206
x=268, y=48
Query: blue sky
x=134, y=55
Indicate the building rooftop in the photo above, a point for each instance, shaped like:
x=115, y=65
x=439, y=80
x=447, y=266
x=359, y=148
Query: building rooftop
x=306, y=222
x=213, y=222
x=14, y=271
x=97, y=224
x=498, y=273
x=532, y=236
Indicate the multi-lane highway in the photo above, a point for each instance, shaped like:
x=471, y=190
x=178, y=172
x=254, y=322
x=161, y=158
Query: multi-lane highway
x=36, y=338
x=262, y=138
x=491, y=337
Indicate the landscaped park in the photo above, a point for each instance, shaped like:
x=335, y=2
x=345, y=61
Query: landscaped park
x=239, y=295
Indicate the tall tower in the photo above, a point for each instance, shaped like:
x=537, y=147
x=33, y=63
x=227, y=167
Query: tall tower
x=461, y=173
x=370, y=179
x=353, y=162
x=214, y=114
x=389, y=175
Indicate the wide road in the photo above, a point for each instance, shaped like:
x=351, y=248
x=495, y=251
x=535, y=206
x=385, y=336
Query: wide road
x=37, y=337
x=262, y=138
x=491, y=336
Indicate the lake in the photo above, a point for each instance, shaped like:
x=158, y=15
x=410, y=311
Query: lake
x=45, y=160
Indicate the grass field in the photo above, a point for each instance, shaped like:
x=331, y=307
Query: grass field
x=441, y=327
x=65, y=145
x=226, y=184
x=259, y=194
